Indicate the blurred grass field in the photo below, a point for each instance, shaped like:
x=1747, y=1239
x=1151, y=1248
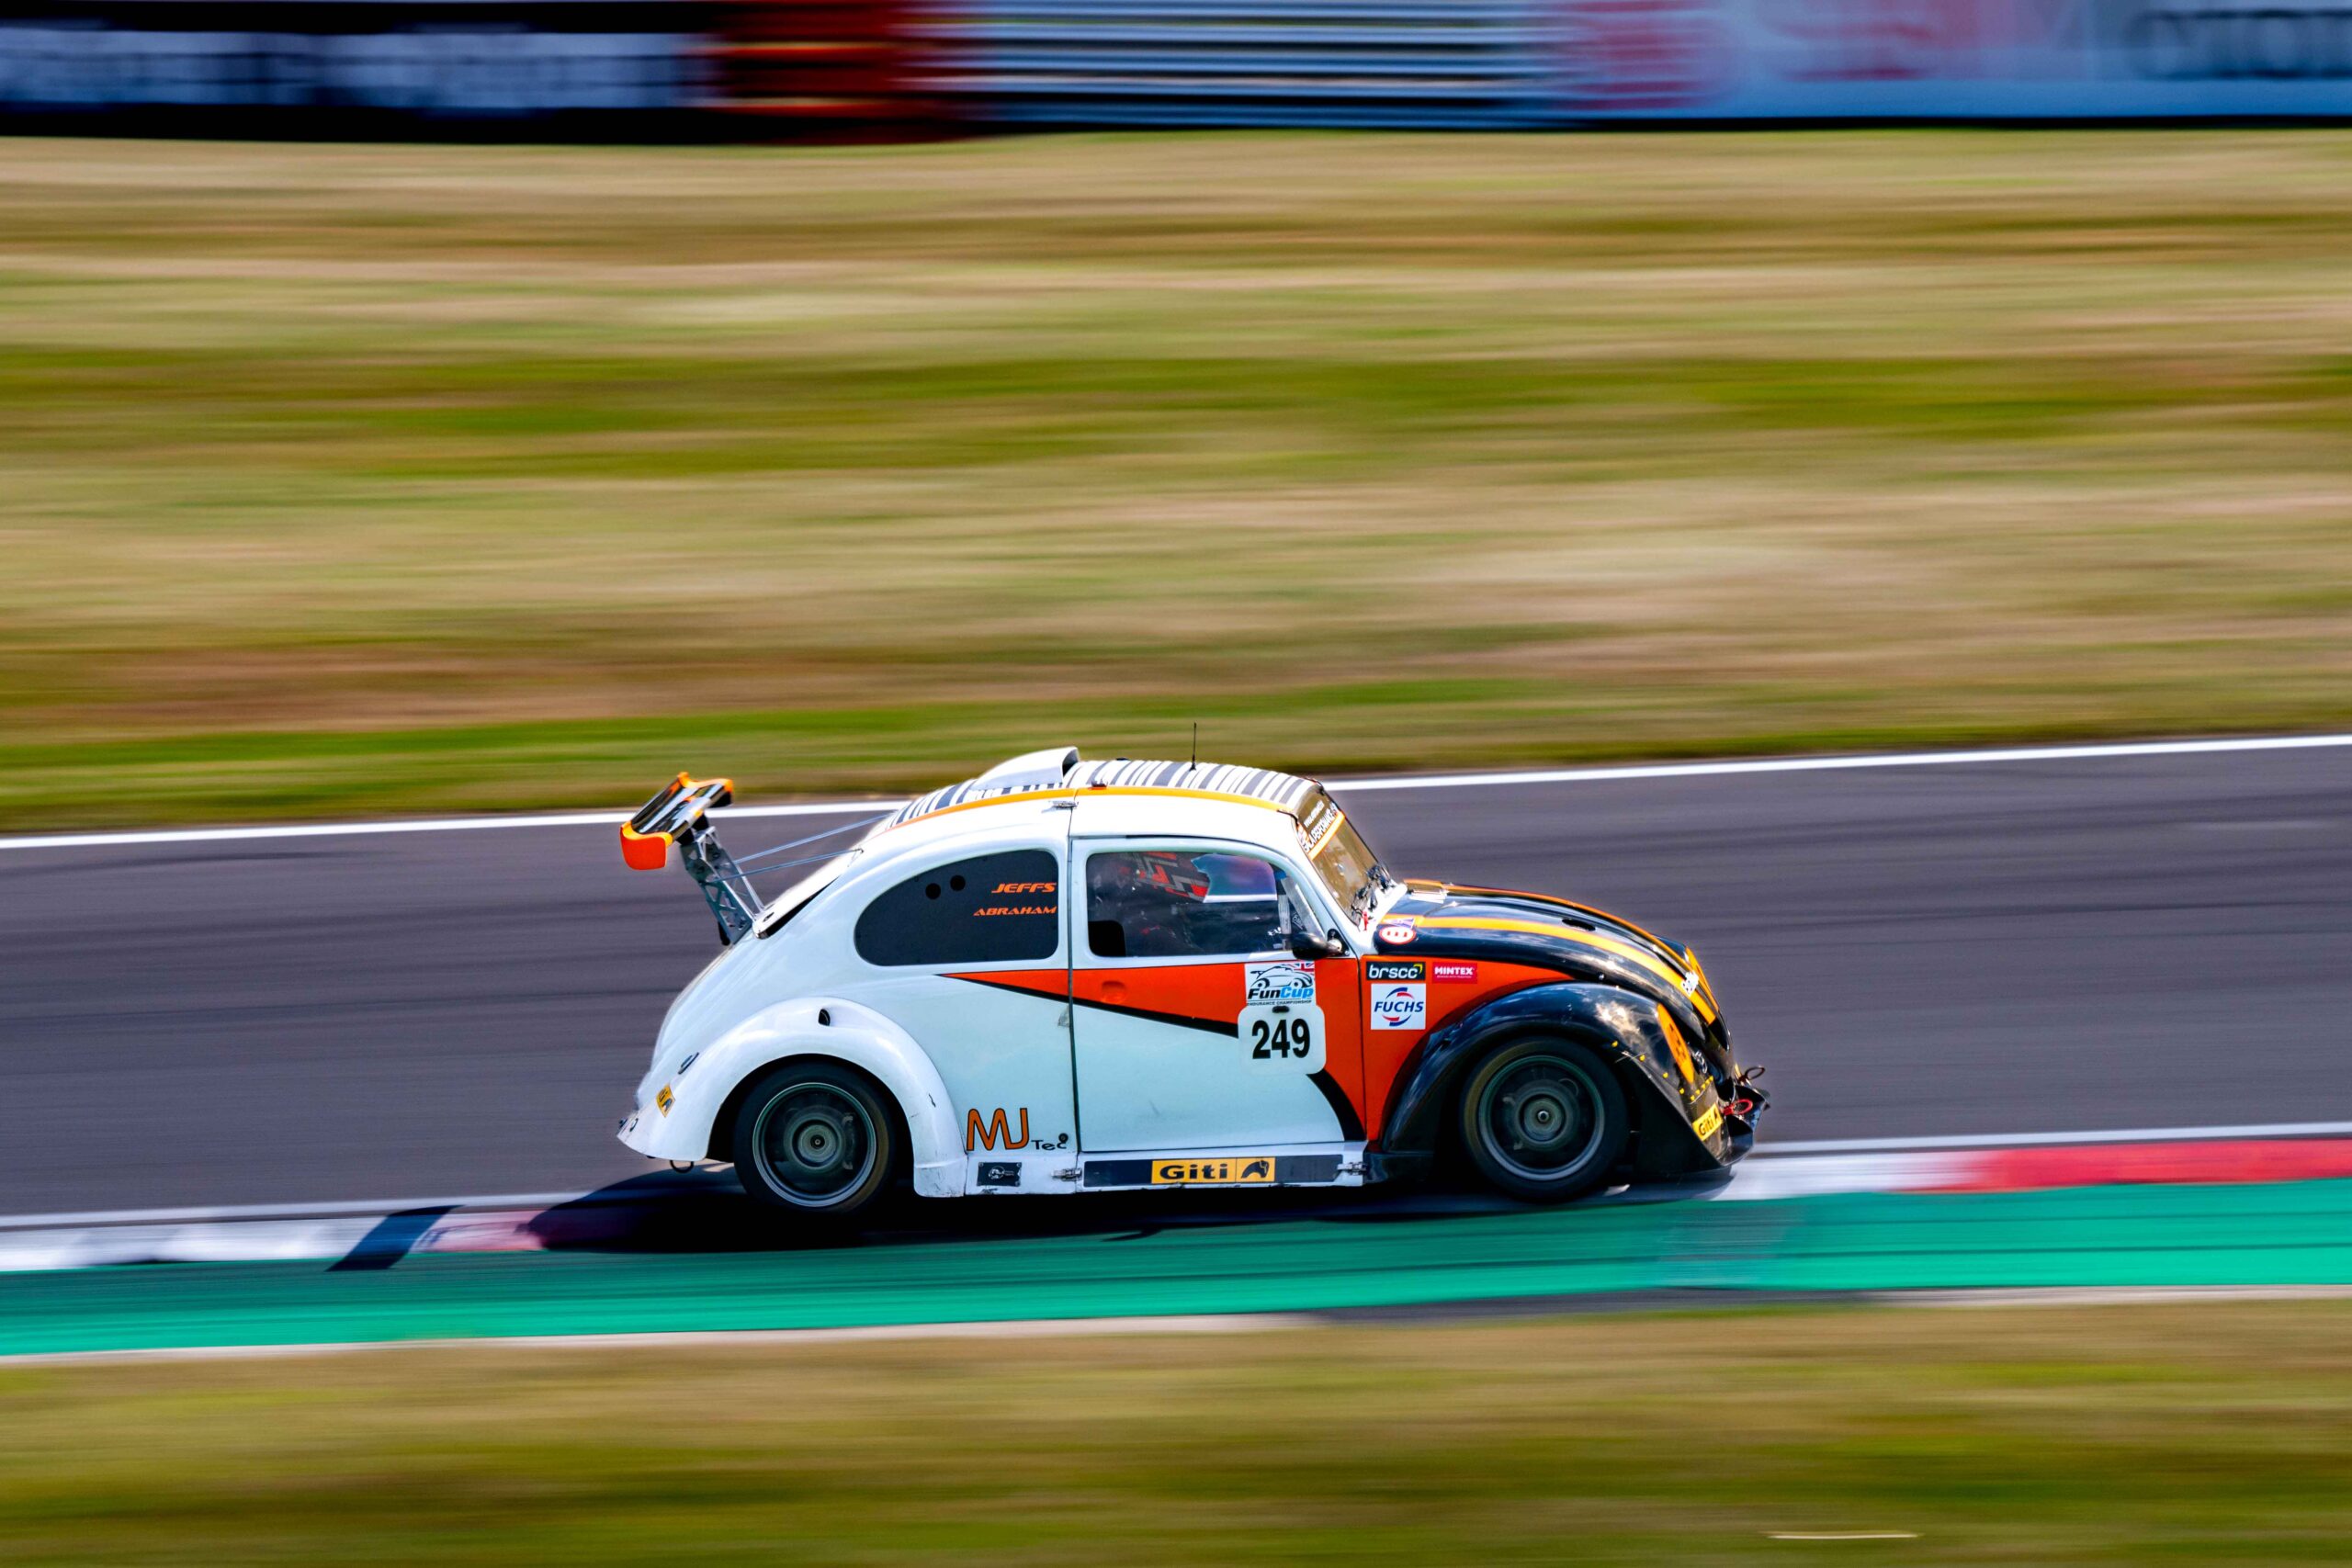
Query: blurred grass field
x=2200, y=1433
x=396, y=479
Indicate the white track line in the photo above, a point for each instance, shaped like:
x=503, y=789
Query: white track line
x=372, y=1208
x=1832, y=764
x=1352, y=786
x=767, y=1338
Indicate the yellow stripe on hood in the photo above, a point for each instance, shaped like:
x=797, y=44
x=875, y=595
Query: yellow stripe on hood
x=1646, y=959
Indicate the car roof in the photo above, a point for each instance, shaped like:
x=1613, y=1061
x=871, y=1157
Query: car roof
x=1121, y=796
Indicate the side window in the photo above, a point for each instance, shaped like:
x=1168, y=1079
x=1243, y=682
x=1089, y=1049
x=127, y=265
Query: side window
x=982, y=910
x=1181, y=904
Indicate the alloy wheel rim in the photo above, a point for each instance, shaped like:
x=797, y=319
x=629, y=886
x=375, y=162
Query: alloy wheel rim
x=1540, y=1118
x=815, y=1144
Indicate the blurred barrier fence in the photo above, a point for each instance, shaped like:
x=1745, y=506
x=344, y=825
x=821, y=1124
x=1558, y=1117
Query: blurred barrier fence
x=1337, y=62
x=423, y=57
x=331, y=63
x=2040, y=60
x=645, y=68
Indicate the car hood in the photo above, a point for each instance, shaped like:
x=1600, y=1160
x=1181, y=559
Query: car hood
x=1439, y=920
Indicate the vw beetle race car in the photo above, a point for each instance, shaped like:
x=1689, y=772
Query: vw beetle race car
x=1067, y=977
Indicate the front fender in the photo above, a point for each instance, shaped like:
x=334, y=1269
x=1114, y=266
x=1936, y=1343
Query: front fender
x=807, y=1026
x=1621, y=1025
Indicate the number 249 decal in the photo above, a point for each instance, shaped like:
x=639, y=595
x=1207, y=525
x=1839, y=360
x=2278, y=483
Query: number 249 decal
x=1285, y=1037
x=1281, y=1037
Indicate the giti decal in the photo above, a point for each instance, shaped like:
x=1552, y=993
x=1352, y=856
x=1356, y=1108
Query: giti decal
x=1289, y=980
x=997, y=1133
x=1400, y=1007
x=1393, y=969
x=1241, y=1170
x=1706, y=1125
x=664, y=1099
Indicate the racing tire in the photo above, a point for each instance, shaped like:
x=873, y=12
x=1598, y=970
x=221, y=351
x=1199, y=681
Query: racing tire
x=818, y=1139
x=1544, y=1120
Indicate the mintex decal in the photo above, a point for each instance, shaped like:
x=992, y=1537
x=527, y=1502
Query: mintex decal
x=1453, y=974
x=1378, y=969
x=1400, y=1007
x=1248, y=1170
x=1286, y=981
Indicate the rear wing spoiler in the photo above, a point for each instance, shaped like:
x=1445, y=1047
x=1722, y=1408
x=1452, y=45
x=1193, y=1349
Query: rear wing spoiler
x=679, y=814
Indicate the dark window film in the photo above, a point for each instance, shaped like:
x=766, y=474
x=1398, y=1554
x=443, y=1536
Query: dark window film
x=987, y=909
x=1175, y=904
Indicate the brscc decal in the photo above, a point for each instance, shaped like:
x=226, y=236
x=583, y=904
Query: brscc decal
x=1393, y=969
x=1400, y=1007
x=1250, y=1169
x=1281, y=982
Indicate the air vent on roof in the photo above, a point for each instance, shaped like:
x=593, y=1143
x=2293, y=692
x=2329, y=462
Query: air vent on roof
x=1031, y=770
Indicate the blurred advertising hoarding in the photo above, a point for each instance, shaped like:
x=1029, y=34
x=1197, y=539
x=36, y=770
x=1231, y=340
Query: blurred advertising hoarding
x=1830, y=60
x=465, y=72
x=428, y=58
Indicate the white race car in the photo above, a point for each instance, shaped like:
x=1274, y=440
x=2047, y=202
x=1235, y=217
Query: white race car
x=1067, y=977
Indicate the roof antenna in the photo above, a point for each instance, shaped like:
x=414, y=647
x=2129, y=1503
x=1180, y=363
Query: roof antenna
x=1197, y=748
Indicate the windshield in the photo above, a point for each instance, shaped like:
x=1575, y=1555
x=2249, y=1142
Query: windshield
x=1343, y=860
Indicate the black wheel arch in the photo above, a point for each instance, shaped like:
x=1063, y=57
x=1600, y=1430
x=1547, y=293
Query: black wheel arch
x=1618, y=1026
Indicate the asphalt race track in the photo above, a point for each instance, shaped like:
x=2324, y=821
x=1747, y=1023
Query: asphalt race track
x=2040, y=945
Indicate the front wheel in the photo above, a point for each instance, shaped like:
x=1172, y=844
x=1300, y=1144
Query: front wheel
x=1544, y=1120
x=817, y=1138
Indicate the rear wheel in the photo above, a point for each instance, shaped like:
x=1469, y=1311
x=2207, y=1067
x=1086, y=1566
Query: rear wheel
x=817, y=1138
x=1544, y=1120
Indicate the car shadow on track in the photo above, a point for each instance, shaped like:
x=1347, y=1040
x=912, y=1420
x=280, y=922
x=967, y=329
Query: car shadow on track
x=706, y=1212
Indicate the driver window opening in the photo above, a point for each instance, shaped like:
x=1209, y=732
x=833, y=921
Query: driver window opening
x=1185, y=904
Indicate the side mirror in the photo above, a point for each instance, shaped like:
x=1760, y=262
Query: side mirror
x=1307, y=944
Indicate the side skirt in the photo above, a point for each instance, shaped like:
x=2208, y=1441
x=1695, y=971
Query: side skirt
x=1319, y=1165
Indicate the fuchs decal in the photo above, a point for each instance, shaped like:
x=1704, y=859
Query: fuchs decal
x=1446, y=974
x=1400, y=1007
x=1287, y=981
x=1393, y=969
x=1250, y=1169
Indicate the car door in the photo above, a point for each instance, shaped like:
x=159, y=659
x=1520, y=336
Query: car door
x=1194, y=1027
x=964, y=953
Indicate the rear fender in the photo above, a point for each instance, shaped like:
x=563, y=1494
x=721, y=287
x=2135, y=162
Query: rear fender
x=807, y=1026
x=1621, y=1026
